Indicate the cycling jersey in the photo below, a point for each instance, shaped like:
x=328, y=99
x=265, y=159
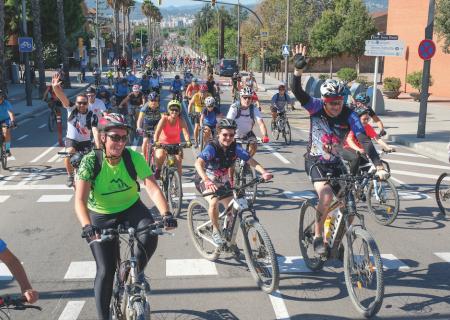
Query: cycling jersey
x=176, y=85
x=151, y=116
x=243, y=120
x=113, y=189
x=145, y=84
x=279, y=102
x=79, y=125
x=5, y=106
x=136, y=99
x=210, y=117
x=170, y=134
x=192, y=89
x=199, y=102
x=154, y=82
x=131, y=79
x=370, y=132
x=211, y=86
x=98, y=107
x=3, y=246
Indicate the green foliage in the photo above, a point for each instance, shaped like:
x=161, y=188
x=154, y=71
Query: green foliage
x=323, y=39
x=166, y=35
x=442, y=22
x=391, y=84
x=50, y=56
x=323, y=76
x=363, y=81
x=181, y=42
x=414, y=79
x=347, y=74
x=208, y=43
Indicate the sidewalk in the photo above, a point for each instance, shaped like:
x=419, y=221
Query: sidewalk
x=401, y=121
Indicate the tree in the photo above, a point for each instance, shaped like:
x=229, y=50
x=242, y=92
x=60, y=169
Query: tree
x=357, y=27
x=442, y=21
x=147, y=10
x=63, y=58
x=2, y=45
x=324, y=43
x=115, y=5
x=36, y=12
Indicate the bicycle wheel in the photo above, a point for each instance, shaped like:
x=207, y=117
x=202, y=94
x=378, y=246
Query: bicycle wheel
x=363, y=271
x=383, y=201
x=51, y=121
x=260, y=255
x=139, y=311
x=175, y=193
x=287, y=133
x=247, y=175
x=118, y=304
x=200, y=229
x=442, y=192
x=274, y=130
x=306, y=236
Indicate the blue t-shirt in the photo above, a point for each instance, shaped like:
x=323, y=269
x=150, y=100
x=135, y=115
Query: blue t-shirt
x=176, y=85
x=145, y=84
x=131, y=79
x=154, y=82
x=121, y=90
x=210, y=117
x=5, y=106
x=2, y=245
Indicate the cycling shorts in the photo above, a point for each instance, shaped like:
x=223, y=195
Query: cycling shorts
x=78, y=145
x=321, y=170
x=195, y=117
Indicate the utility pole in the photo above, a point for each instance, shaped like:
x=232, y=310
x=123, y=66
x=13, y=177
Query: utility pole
x=425, y=76
x=123, y=34
x=238, y=35
x=142, y=52
x=26, y=58
x=97, y=40
x=286, y=59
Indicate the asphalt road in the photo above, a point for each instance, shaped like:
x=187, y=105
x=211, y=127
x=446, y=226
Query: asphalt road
x=39, y=225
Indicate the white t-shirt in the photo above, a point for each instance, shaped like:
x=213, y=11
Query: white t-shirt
x=98, y=107
x=245, y=121
x=76, y=127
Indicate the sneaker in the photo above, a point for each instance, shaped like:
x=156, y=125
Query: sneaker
x=69, y=182
x=217, y=238
x=319, y=246
x=8, y=153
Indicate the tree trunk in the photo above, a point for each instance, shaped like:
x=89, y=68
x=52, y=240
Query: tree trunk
x=357, y=65
x=36, y=12
x=117, y=27
x=62, y=42
x=129, y=48
x=2, y=46
x=148, y=35
x=331, y=68
x=124, y=30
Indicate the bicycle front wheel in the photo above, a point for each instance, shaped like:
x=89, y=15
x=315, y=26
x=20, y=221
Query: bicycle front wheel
x=306, y=236
x=200, y=229
x=51, y=121
x=274, y=130
x=4, y=157
x=260, y=255
x=383, y=201
x=174, y=193
x=442, y=192
x=248, y=174
x=287, y=133
x=363, y=271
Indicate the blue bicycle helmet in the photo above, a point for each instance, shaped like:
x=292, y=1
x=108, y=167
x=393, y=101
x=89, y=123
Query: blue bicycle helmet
x=362, y=98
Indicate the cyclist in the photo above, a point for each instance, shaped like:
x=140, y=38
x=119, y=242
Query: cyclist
x=236, y=85
x=362, y=101
x=97, y=73
x=188, y=77
x=121, y=90
x=96, y=105
x=15, y=266
x=213, y=87
x=104, y=95
x=195, y=108
x=176, y=87
x=279, y=102
x=53, y=102
x=7, y=120
x=136, y=99
x=330, y=122
x=246, y=115
x=110, y=77
x=81, y=123
x=192, y=89
x=208, y=118
x=213, y=164
x=109, y=196
x=250, y=82
x=148, y=119
x=145, y=84
x=131, y=78
x=167, y=132
x=154, y=83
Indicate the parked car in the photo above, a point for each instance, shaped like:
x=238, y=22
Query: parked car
x=226, y=67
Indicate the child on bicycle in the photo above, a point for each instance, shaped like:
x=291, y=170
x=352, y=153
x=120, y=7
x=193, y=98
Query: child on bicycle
x=148, y=119
x=15, y=266
x=208, y=118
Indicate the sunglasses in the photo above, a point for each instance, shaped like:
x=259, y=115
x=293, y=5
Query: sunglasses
x=336, y=103
x=82, y=103
x=247, y=98
x=228, y=135
x=118, y=138
x=174, y=110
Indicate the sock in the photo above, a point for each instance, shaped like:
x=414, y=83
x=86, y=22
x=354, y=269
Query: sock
x=8, y=145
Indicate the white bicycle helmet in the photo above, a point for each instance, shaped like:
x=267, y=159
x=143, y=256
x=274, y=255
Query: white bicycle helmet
x=209, y=101
x=332, y=89
x=246, y=92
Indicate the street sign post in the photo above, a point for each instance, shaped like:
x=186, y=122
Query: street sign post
x=427, y=49
x=25, y=44
x=285, y=50
x=384, y=37
x=264, y=34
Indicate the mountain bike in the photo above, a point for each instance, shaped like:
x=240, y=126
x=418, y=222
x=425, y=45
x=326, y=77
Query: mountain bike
x=258, y=249
x=282, y=126
x=244, y=173
x=8, y=303
x=131, y=292
x=381, y=196
x=52, y=116
x=442, y=193
x=202, y=143
x=3, y=154
x=170, y=178
x=363, y=268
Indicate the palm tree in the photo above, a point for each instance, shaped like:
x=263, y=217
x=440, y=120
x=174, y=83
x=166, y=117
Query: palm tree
x=147, y=10
x=115, y=5
x=36, y=12
x=62, y=42
x=2, y=44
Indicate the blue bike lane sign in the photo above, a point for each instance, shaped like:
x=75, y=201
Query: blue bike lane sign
x=25, y=44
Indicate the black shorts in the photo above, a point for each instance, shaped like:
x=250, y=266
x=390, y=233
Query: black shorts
x=250, y=138
x=78, y=145
x=195, y=117
x=321, y=170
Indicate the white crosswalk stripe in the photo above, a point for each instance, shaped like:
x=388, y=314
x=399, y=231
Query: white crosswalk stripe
x=81, y=270
x=443, y=255
x=72, y=310
x=5, y=274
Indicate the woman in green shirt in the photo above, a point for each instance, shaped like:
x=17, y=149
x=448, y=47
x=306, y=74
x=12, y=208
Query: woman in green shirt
x=109, y=197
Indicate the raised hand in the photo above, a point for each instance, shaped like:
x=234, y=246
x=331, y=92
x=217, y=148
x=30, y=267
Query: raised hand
x=299, y=52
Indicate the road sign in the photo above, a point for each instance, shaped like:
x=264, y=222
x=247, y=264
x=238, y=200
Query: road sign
x=264, y=34
x=384, y=37
x=25, y=44
x=393, y=48
x=285, y=50
x=427, y=49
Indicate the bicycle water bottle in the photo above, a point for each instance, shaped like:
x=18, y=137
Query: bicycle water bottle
x=329, y=223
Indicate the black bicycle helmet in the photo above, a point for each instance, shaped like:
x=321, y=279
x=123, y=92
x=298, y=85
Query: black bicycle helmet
x=227, y=124
x=361, y=111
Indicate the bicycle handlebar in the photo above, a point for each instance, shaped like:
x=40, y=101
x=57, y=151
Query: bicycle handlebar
x=228, y=191
x=17, y=303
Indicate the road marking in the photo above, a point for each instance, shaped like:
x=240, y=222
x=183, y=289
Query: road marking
x=4, y=198
x=276, y=154
x=33, y=187
x=5, y=274
x=188, y=185
x=190, y=267
x=415, y=174
x=412, y=195
x=42, y=126
x=292, y=264
x=44, y=153
x=300, y=194
x=12, y=158
x=189, y=195
x=279, y=307
x=413, y=155
x=417, y=164
x=55, y=198
x=443, y=255
x=9, y=178
x=54, y=158
x=22, y=137
x=72, y=310
x=390, y=262
x=27, y=179
x=81, y=270
x=400, y=182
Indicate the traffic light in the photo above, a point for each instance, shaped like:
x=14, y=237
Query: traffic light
x=213, y=3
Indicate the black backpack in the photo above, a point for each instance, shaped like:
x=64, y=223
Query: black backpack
x=126, y=156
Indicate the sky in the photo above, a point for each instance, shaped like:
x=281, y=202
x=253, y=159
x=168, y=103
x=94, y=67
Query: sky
x=177, y=3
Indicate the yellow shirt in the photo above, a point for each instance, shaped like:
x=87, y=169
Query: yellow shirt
x=199, y=102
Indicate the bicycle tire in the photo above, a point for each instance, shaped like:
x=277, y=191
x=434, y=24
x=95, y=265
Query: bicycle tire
x=174, y=192
x=139, y=311
x=388, y=216
x=116, y=306
x=267, y=276
x=306, y=236
x=439, y=196
x=197, y=214
x=287, y=133
x=374, y=266
x=248, y=174
x=274, y=130
x=51, y=121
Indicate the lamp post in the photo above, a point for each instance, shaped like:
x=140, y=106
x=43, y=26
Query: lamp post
x=26, y=58
x=286, y=59
x=238, y=34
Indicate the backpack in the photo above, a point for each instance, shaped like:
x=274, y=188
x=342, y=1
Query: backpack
x=88, y=118
x=252, y=112
x=126, y=156
x=278, y=97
